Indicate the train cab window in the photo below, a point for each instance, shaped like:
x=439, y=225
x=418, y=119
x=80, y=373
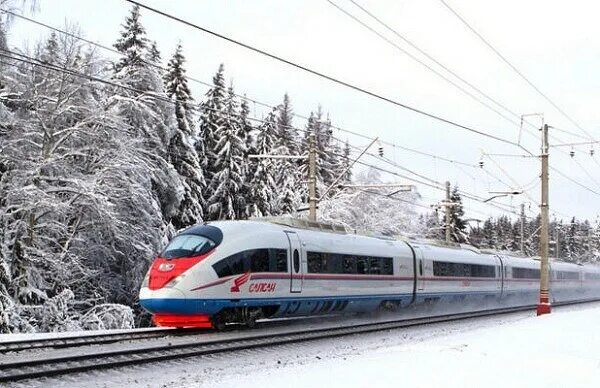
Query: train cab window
x=253, y=260
x=187, y=245
x=259, y=260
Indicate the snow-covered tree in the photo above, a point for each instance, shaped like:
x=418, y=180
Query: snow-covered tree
x=458, y=227
x=287, y=138
x=263, y=191
x=226, y=201
x=373, y=210
x=181, y=151
x=213, y=121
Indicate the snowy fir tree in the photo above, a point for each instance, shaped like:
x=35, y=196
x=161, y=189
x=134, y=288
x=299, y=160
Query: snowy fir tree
x=263, y=191
x=181, y=150
x=287, y=136
x=213, y=121
x=458, y=227
x=226, y=201
x=288, y=174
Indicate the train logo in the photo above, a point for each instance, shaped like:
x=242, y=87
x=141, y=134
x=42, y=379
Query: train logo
x=240, y=281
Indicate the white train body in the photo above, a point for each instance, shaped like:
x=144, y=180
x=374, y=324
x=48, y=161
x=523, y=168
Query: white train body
x=237, y=271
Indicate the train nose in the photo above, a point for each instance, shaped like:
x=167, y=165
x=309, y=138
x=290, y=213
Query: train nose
x=165, y=301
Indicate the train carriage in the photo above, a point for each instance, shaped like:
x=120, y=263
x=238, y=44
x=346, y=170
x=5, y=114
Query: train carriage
x=521, y=279
x=456, y=273
x=240, y=271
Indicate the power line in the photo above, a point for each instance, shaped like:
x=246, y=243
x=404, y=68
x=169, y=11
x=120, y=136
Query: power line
x=206, y=84
x=507, y=62
x=459, y=87
x=324, y=76
x=36, y=62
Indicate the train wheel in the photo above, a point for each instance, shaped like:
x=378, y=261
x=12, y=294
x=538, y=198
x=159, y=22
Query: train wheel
x=251, y=315
x=218, y=322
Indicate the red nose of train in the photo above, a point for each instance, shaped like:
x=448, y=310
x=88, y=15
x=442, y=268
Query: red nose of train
x=163, y=271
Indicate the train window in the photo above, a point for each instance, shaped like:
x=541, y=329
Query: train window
x=387, y=266
x=442, y=268
x=314, y=262
x=348, y=264
x=296, y=261
x=567, y=275
x=278, y=260
x=253, y=260
x=525, y=273
x=361, y=265
x=592, y=275
x=320, y=262
x=375, y=264
x=187, y=245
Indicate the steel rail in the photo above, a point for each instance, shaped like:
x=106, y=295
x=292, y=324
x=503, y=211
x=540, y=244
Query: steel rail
x=88, y=339
x=39, y=367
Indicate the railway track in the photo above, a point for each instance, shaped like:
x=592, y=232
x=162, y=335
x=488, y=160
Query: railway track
x=37, y=367
x=94, y=339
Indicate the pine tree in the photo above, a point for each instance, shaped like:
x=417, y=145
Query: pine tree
x=458, y=227
x=181, y=152
x=213, y=122
x=226, y=201
x=287, y=138
x=132, y=43
x=263, y=191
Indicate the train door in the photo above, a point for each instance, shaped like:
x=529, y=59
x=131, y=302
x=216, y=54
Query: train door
x=420, y=269
x=502, y=269
x=295, y=262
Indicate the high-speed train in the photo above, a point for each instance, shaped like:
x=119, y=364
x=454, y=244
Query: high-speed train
x=239, y=271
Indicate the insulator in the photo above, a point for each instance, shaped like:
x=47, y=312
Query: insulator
x=481, y=164
x=572, y=153
x=591, y=152
x=380, y=150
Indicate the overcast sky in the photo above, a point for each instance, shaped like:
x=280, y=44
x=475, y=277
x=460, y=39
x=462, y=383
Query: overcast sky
x=554, y=43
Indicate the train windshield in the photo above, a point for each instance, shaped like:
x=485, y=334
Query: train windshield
x=187, y=245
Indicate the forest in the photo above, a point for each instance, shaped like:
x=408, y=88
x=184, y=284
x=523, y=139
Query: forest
x=102, y=161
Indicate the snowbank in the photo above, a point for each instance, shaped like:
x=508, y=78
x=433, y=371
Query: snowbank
x=557, y=350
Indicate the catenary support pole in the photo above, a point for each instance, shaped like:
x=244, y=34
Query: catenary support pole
x=448, y=209
x=312, y=178
x=544, y=305
x=522, y=228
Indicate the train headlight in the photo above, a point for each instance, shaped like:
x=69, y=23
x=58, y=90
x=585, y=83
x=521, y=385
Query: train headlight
x=174, y=282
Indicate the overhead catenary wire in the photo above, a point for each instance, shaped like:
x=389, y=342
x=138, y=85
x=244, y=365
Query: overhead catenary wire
x=325, y=76
x=32, y=61
x=255, y=101
x=514, y=68
x=433, y=59
x=451, y=82
x=108, y=82
x=245, y=97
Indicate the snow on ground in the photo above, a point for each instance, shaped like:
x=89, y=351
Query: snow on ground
x=557, y=350
x=514, y=350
